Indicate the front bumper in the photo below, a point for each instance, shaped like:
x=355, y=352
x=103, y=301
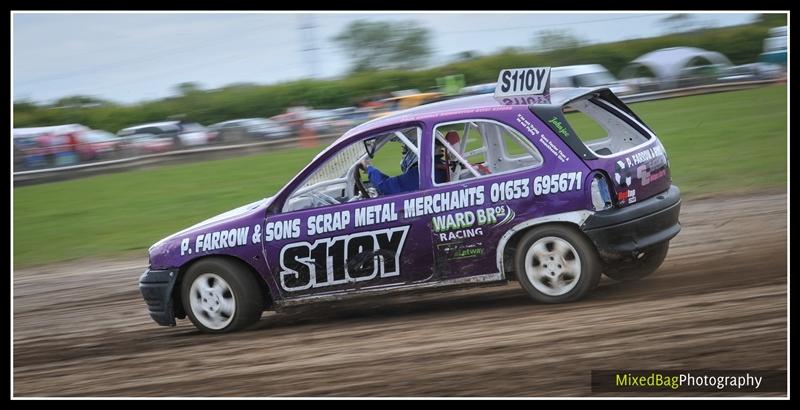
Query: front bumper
x=156, y=288
x=619, y=233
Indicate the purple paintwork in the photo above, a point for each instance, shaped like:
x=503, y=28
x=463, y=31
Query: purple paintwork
x=426, y=256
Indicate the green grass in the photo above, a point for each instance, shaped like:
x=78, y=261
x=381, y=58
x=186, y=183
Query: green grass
x=731, y=141
x=717, y=142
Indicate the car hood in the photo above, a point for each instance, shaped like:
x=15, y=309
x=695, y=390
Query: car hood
x=221, y=218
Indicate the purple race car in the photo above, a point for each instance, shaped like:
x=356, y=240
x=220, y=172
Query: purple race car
x=492, y=188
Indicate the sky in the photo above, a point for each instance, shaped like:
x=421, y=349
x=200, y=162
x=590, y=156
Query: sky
x=133, y=57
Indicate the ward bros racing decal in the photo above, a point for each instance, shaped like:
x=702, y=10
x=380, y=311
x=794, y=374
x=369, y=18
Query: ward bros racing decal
x=469, y=224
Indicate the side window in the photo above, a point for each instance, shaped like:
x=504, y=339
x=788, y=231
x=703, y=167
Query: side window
x=476, y=148
x=389, y=152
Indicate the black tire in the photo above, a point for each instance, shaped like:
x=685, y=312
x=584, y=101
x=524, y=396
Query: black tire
x=242, y=287
x=648, y=262
x=587, y=258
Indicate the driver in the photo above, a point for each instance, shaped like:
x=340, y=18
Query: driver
x=409, y=180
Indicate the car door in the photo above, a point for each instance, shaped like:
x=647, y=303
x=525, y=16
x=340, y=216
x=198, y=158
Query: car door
x=504, y=165
x=365, y=244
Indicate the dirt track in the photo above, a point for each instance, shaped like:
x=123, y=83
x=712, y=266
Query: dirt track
x=718, y=302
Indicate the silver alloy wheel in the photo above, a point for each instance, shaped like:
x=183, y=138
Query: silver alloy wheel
x=553, y=266
x=212, y=301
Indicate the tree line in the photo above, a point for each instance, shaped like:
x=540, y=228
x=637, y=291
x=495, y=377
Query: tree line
x=372, y=77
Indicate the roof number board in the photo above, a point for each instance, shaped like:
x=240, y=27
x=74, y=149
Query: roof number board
x=523, y=81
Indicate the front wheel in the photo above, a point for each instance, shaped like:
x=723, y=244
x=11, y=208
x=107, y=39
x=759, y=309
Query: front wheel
x=220, y=296
x=646, y=262
x=556, y=264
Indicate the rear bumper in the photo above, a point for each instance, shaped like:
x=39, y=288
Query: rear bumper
x=619, y=233
x=156, y=289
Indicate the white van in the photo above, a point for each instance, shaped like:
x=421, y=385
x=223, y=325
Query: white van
x=587, y=75
x=776, y=46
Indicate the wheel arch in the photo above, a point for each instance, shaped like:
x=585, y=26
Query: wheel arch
x=509, y=240
x=176, y=290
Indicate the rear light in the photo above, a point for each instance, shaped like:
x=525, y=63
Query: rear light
x=601, y=195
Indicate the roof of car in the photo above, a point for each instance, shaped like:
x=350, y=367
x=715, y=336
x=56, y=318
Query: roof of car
x=55, y=129
x=152, y=124
x=578, y=69
x=556, y=97
x=240, y=120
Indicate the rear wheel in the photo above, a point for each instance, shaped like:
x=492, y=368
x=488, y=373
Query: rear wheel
x=647, y=262
x=556, y=264
x=221, y=296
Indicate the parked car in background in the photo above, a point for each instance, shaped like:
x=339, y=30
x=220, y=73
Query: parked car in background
x=587, y=75
x=769, y=71
x=325, y=121
x=193, y=133
x=751, y=72
x=50, y=146
x=162, y=130
x=642, y=84
x=231, y=130
x=58, y=148
x=354, y=115
x=27, y=153
x=52, y=130
x=98, y=144
x=776, y=46
x=144, y=143
x=701, y=75
x=183, y=133
x=264, y=128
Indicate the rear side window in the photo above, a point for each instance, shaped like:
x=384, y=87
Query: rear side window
x=477, y=148
x=604, y=128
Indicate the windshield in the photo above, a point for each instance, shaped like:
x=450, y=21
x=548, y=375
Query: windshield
x=338, y=165
x=332, y=182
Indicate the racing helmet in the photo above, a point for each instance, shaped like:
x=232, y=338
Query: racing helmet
x=409, y=159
